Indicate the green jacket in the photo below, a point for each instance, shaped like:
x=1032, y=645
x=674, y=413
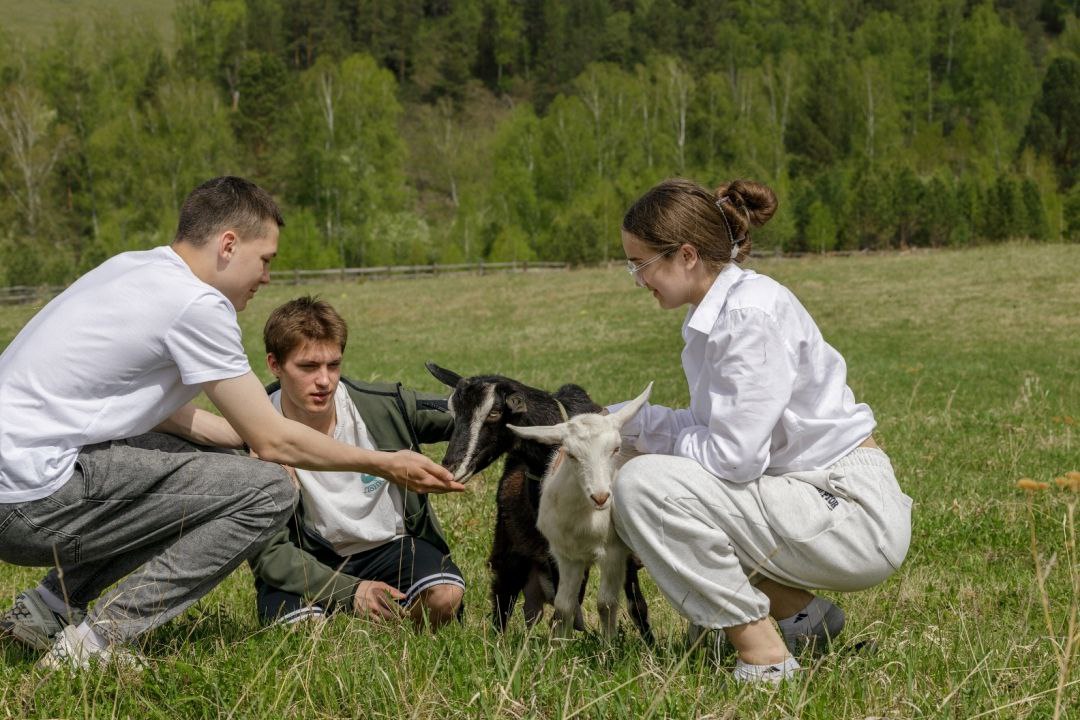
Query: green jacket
x=397, y=419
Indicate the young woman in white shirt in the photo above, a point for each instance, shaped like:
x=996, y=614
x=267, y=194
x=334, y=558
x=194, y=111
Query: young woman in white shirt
x=770, y=484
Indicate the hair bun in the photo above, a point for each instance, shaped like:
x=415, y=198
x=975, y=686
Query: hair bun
x=752, y=199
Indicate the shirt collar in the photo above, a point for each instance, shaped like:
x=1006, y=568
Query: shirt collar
x=703, y=316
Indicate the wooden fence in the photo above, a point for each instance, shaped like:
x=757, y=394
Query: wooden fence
x=23, y=294
x=298, y=277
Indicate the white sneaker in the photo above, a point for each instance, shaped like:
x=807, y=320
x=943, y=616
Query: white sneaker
x=773, y=674
x=70, y=653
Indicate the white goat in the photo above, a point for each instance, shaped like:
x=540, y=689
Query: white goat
x=575, y=509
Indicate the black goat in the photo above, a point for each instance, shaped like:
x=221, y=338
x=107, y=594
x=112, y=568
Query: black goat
x=483, y=406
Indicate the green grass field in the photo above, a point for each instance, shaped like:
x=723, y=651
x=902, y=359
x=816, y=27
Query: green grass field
x=35, y=20
x=970, y=361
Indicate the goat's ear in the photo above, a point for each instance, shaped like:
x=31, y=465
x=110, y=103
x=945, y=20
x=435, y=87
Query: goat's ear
x=516, y=403
x=446, y=377
x=546, y=434
x=622, y=416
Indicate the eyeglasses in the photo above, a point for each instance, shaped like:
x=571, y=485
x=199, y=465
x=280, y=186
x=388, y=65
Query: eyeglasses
x=635, y=269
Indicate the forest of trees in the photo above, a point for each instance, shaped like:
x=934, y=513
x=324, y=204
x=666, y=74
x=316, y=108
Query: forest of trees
x=405, y=132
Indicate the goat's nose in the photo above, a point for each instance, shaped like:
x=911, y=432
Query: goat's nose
x=600, y=498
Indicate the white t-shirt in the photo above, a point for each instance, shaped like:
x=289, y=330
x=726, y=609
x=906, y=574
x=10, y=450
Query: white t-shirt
x=351, y=511
x=118, y=352
x=768, y=395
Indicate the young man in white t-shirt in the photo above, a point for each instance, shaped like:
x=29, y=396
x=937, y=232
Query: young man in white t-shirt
x=87, y=488
x=356, y=542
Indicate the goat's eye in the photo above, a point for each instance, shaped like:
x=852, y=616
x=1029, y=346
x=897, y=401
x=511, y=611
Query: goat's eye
x=615, y=451
x=494, y=415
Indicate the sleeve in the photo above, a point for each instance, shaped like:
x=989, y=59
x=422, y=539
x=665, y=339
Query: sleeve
x=751, y=375
x=654, y=428
x=283, y=564
x=204, y=341
x=432, y=418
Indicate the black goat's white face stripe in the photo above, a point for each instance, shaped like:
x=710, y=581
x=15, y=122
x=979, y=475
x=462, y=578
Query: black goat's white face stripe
x=475, y=427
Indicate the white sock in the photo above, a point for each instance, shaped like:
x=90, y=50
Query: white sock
x=90, y=639
x=772, y=673
x=56, y=604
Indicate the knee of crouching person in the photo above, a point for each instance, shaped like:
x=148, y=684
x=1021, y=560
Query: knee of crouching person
x=635, y=484
x=278, y=482
x=441, y=603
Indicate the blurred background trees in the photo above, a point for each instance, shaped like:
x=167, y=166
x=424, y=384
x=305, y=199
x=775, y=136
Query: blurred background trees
x=399, y=132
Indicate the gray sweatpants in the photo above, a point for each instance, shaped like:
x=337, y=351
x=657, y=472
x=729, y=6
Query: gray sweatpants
x=153, y=510
x=706, y=541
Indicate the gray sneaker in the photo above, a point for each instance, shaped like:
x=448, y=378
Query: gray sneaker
x=714, y=642
x=814, y=628
x=33, y=623
x=69, y=653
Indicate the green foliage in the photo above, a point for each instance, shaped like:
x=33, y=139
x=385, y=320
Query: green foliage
x=147, y=161
x=342, y=154
x=400, y=238
x=501, y=48
x=210, y=36
x=1071, y=214
x=511, y=245
x=517, y=159
x=1054, y=127
x=305, y=246
x=821, y=228
x=263, y=87
x=995, y=74
x=502, y=126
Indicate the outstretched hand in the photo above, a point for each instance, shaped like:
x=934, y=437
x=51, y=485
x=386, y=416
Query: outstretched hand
x=418, y=473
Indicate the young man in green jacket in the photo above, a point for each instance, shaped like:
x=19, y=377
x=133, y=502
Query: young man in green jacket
x=356, y=542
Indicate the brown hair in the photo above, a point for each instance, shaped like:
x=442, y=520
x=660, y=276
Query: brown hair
x=304, y=319
x=226, y=203
x=679, y=211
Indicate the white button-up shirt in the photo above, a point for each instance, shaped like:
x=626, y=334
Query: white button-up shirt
x=768, y=395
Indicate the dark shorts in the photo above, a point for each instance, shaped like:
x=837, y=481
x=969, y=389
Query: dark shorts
x=410, y=564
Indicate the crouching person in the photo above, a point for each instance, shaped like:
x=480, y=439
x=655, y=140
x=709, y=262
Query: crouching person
x=102, y=473
x=356, y=542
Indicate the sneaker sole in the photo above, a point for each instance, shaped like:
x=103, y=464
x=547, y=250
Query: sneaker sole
x=27, y=638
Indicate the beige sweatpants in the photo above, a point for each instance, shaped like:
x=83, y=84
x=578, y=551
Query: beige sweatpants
x=706, y=541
